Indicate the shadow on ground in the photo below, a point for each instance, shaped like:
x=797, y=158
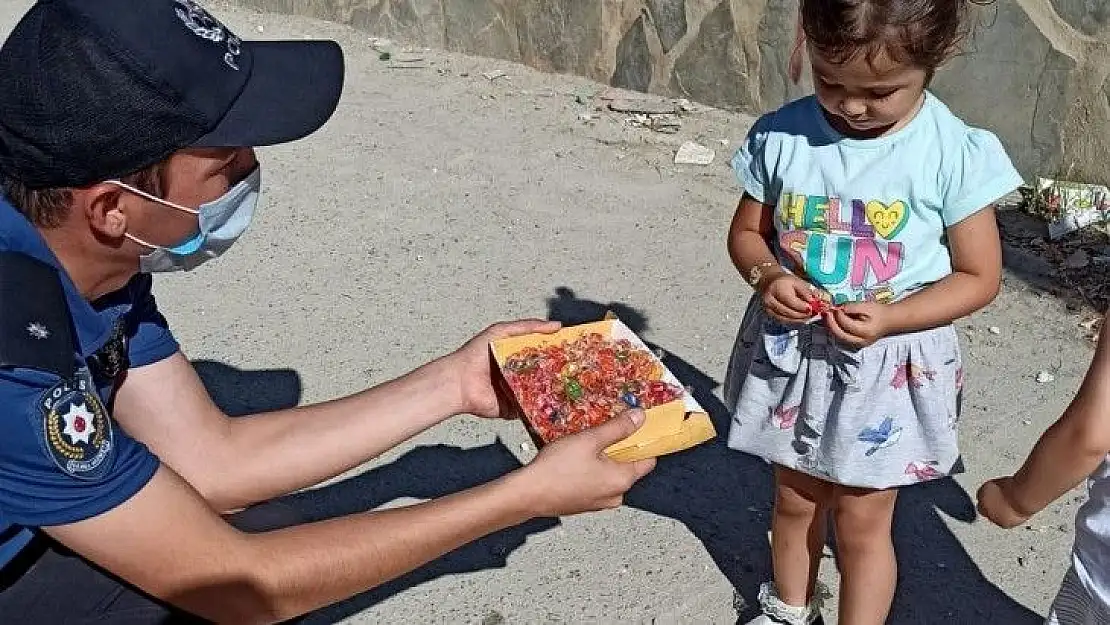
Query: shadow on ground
x=724, y=498
x=424, y=473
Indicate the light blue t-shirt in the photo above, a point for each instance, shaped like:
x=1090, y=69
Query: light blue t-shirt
x=865, y=219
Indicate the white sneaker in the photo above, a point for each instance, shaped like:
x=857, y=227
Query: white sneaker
x=775, y=612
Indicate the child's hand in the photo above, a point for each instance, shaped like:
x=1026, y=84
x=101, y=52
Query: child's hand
x=995, y=504
x=859, y=324
x=786, y=297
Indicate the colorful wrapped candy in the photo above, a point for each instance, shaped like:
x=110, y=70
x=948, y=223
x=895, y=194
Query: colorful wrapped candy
x=570, y=386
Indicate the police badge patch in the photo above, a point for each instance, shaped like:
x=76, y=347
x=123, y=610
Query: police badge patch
x=76, y=428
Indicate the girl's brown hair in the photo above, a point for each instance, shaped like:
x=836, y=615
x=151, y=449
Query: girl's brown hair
x=923, y=33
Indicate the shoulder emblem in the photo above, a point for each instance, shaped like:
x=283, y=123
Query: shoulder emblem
x=77, y=430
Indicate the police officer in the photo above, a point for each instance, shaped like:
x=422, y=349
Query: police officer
x=126, y=135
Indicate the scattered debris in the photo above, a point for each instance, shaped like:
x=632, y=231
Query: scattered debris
x=645, y=107
x=495, y=75
x=1070, y=206
x=584, y=95
x=383, y=47
x=1092, y=328
x=685, y=105
x=586, y=117
x=408, y=62
x=668, y=124
x=1045, y=377
x=995, y=330
x=1027, y=422
x=691, y=153
x=1077, y=260
x=526, y=447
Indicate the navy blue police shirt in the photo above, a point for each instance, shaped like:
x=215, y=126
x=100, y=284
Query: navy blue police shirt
x=63, y=458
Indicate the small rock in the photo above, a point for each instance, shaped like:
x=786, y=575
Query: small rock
x=261, y=28
x=494, y=75
x=586, y=117
x=691, y=153
x=1045, y=377
x=1078, y=260
x=1021, y=561
x=685, y=105
x=995, y=330
x=1026, y=421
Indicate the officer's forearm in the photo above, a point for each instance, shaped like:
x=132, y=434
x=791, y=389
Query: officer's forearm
x=303, y=568
x=272, y=454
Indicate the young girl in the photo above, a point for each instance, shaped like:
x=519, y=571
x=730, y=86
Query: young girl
x=1075, y=448
x=866, y=228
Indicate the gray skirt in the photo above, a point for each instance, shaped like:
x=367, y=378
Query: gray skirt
x=878, y=417
x=1075, y=605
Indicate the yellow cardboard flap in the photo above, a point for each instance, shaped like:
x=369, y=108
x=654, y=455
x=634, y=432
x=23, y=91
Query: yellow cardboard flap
x=695, y=430
x=659, y=422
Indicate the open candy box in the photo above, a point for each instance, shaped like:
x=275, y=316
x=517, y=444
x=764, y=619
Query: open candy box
x=584, y=375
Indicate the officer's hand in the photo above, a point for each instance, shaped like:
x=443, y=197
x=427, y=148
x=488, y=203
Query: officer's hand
x=472, y=368
x=573, y=474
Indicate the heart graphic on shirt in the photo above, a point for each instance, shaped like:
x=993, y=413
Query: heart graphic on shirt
x=888, y=221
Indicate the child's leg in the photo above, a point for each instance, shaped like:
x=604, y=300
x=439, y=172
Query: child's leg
x=798, y=533
x=865, y=550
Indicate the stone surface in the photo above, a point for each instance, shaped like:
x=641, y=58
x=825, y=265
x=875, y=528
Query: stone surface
x=1035, y=72
x=634, y=60
x=714, y=69
x=669, y=17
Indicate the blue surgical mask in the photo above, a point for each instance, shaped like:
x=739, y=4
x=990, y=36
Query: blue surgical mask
x=222, y=222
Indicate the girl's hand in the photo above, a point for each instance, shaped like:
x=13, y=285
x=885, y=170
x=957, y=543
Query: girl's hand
x=859, y=324
x=995, y=505
x=786, y=297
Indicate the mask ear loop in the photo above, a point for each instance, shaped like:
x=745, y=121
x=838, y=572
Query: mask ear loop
x=152, y=198
x=794, y=69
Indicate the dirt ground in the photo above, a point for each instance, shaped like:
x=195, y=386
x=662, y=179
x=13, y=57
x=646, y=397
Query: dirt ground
x=450, y=192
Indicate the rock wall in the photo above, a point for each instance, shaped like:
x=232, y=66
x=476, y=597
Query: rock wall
x=1036, y=71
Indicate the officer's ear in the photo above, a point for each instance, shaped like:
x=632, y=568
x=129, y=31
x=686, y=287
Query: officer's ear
x=104, y=207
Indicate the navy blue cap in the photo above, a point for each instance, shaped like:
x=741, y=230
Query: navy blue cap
x=98, y=89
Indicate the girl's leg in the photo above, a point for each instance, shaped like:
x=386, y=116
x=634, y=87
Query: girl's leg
x=865, y=550
x=798, y=533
